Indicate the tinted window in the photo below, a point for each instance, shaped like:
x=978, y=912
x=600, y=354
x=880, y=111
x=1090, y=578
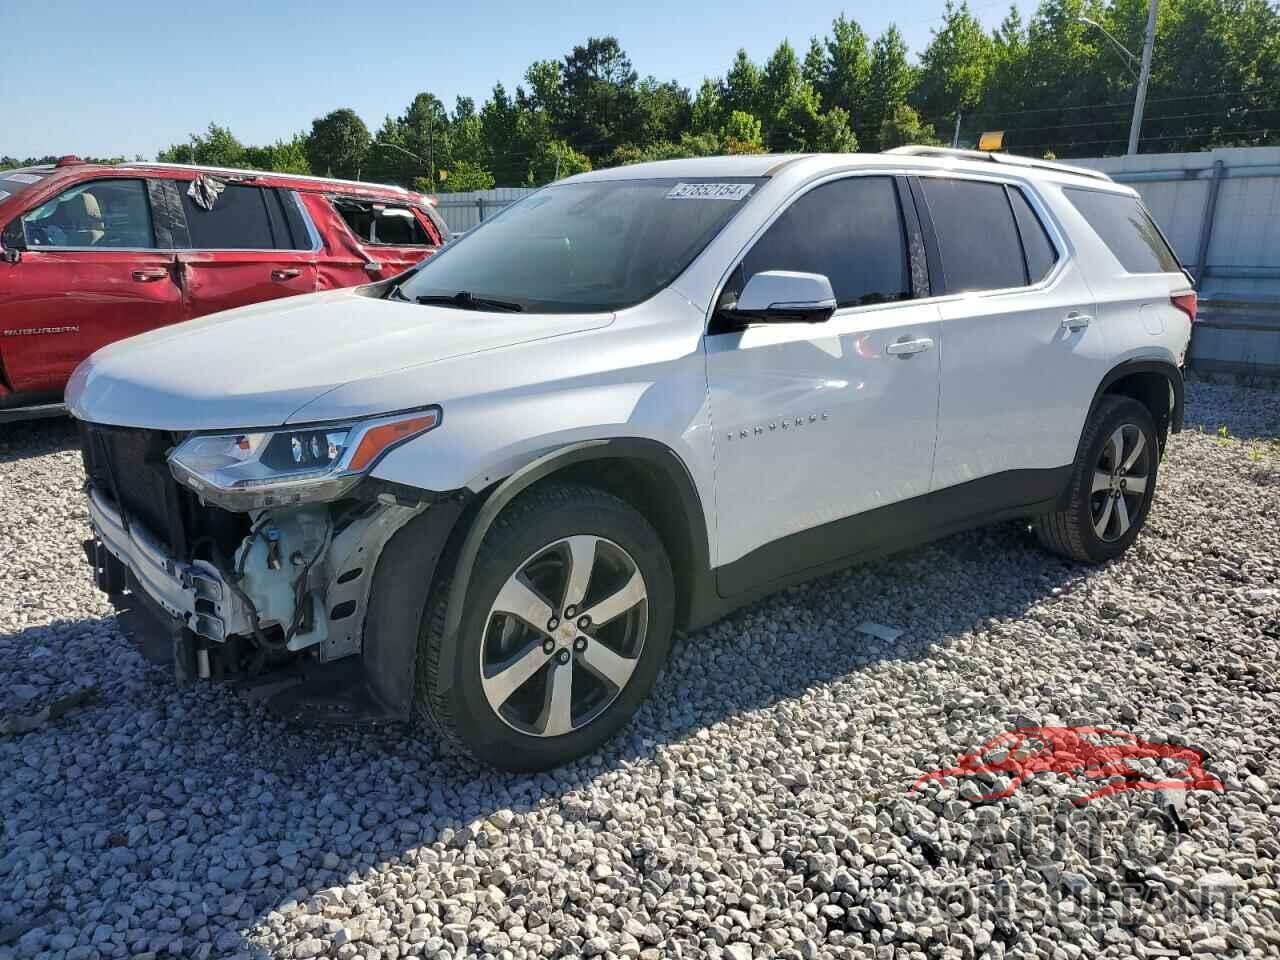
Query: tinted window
x=1041, y=256
x=238, y=221
x=101, y=213
x=1127, y=229
x=850, y=231
x=585, y=246
x=977, y=239
x=382, y=224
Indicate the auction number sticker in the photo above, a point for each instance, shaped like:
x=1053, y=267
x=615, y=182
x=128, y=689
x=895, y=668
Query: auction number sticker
x=710, y=191
x=22, y=177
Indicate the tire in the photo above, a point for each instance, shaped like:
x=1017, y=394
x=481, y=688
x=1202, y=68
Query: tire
x=504, y=702
x=1087, y=530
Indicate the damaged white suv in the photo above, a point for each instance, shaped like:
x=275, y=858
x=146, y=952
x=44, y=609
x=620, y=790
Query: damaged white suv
x=485, y=493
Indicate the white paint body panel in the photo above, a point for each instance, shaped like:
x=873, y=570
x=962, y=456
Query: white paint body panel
x=801, y=409
x=1001, y=387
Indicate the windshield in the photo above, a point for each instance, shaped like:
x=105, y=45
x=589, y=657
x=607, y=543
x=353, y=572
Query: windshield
x=582, y=247
x=15, y=181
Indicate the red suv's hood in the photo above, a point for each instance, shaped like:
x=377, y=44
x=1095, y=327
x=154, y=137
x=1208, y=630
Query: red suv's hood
x=257, y=365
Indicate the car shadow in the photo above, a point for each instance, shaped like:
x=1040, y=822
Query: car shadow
x=201, y=805
x=25, y=439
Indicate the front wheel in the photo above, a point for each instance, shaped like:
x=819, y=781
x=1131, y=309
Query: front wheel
x=1112, y=485
x=567, y=620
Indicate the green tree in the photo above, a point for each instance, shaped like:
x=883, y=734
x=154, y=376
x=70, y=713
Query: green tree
x=889, y=80
x=742, y=134
x=600, y=94
x=217, y=147
x=903, y=126
x=741, y=89
x=463, y=175
x=955, y=65
x=705, y=113
x=555, y=159
x=338, y=144
x=848, y=70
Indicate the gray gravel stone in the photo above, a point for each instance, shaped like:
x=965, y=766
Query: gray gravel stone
x=758, y=806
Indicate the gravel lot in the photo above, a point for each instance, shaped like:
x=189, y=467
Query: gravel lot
x=759, y=806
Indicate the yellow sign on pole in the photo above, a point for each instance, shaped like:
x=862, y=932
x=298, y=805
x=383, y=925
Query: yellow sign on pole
x=991, y=140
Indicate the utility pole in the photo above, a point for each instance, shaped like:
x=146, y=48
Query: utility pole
x=955, y=137
x=1140, y=102
x=431, y=149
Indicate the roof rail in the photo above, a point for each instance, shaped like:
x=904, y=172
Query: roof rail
x=917, y=150
x=236, y=171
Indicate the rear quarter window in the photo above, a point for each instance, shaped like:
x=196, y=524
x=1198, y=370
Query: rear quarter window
x=1124, y=225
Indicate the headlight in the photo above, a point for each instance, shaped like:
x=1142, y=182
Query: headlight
x=249, y=471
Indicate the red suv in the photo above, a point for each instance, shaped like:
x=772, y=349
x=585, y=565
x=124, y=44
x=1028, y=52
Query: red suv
x=91, y=253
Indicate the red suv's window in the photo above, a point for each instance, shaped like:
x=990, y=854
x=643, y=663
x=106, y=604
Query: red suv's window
x=100, y=213
x=382, y=223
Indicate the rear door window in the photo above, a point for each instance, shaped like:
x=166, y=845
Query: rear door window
x=382, y=223
x=1124, y=225
x=100, y=213
x=240, y=220
x=977, y=237
x=1040, y=252
x=850, y=231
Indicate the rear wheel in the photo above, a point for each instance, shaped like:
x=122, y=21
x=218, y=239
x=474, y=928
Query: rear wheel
x=1112, y=485
x=567, y=620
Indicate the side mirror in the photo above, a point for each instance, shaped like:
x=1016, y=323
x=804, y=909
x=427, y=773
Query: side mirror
x=14, y=241
x=782, y=296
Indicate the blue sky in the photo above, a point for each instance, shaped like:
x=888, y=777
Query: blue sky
x=133, y=76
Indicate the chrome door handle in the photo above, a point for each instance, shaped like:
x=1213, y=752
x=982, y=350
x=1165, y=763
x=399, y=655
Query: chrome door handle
x=279, y=276
x=909, y=348
x=1076, y=321
x=150, y=275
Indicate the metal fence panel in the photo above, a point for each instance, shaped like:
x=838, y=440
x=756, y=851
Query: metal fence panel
x=467, y=209
x=1221, y=211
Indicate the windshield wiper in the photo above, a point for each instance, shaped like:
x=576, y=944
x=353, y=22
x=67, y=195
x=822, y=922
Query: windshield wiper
x=395, y=293
x=463, y=300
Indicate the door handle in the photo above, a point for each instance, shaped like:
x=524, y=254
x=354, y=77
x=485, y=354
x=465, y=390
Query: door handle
x=150, y=274
x=909, y=348
x=1076, y=321
x=279, y=276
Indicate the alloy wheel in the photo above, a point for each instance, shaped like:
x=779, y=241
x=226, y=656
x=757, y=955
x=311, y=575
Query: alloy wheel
x=563, y=636
x=1120, y=480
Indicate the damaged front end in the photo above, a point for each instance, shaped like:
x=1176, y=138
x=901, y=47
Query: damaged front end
x=261, y=568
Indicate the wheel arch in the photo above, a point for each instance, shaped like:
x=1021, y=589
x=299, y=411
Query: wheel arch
x=645, y=473
x=1156, y=384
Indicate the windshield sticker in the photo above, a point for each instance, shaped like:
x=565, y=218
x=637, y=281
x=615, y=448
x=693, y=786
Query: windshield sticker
x=710, y=191
x=22, y=177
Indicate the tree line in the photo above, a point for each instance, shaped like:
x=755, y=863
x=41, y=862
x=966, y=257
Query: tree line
x=1057, y=86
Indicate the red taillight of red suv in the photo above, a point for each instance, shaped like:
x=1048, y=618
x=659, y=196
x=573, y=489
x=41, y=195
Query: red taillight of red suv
x=1186, y=302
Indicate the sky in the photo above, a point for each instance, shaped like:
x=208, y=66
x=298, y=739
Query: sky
x=134, y=76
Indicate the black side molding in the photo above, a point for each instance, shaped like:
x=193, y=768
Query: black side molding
x=888, y=529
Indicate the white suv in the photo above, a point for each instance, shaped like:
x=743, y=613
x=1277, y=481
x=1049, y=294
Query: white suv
x=485, y=493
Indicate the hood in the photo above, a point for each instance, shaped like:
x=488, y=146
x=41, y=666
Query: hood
x=256, y=365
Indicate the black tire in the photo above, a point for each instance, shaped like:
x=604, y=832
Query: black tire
x=1071, y=532
x=536, y=519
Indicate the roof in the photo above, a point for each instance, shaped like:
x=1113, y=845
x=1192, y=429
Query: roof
x=275, y=175
x=767, y=164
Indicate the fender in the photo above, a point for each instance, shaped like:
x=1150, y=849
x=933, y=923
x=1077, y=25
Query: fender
x=1147, y=365
x=624, y=448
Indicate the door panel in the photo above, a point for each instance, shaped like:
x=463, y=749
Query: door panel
x=60, y=306
x=1021, y=365
x=816, y=422
x=216, y=280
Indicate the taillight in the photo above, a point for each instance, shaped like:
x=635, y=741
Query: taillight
x=1186, y=302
